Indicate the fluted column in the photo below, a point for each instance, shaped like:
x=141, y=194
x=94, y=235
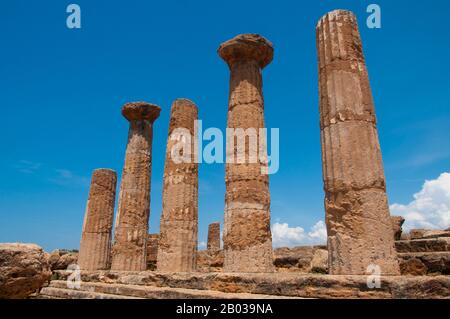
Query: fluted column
x=357, y=213
x=130, y=239
x=213, y=244
x=177, y=249
x=95, y=245
x=247, y=236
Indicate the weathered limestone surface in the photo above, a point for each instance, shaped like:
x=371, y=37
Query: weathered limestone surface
x=61, y=259
x=210, y=261
x=280, y=284
x=95, y=245
x=23, y=270
x=428, y=233
x=152, y=251
x=304, y=259
x=213, y=244
x=99, y=290
x=397, y=223
x=319, y=262
x=429, y=263
x=357, y=213
x=130, y=240
x=247, y=236
x=416, y=257
x=296, y=259
x=429, y=256
x=423, y=245
x=179, y=219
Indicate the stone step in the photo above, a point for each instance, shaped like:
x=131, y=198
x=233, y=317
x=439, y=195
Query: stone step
x=278, y=284
x=423, y=263
x=151, y=292
x=64, y=293
x=423, y=245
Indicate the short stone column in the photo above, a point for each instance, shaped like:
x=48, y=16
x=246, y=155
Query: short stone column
x=357, y=212
x=179, y=219
x=95, y=245
x=152, y=251
x=130, y=240
x=247, y=236
x=213, y=244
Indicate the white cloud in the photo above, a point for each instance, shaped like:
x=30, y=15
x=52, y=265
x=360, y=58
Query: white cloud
x=285, y=236
x=430, y=207
x=27, y=167
x=66, y=177
x=202, y=245
x=318, y=232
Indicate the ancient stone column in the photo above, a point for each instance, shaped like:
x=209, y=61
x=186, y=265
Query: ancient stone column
x=357, y=212
x=95, y=245
x=247, y=236
x=152, y=250
x=179, y=219
x=213, y=244
x=130, y=236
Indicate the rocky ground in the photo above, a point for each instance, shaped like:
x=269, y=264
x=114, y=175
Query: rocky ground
x=301, y=272
x=150, y=284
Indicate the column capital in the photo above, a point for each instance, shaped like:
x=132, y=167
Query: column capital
x=339, y=14
x=141, y=111
x=247, y=47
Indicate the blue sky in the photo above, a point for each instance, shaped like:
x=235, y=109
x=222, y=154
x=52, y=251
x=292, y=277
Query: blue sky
x=62, y=90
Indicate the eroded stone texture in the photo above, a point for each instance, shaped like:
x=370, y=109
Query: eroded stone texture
x=281, y=284
x=179, y=219
x=247, y=236
x=152, y=251
x=357, y=213
x=62, y=259
x=130, y=239
x=428, y=233
x=213, y=244
x=23, y=270
x=210, y=261
x=95, y=245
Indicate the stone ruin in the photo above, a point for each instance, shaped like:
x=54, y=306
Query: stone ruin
x=357, y=212
x=130, y=238
x=213, y=243
x=247, y=237
x=152, y=251
x=95, y=245
x=179, y=220
x=361, y=231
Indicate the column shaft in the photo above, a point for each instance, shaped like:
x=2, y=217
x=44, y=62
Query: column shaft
x=213, y=244
x=179, y=220
x=357, y=212
x=130, y=242
x=95, y=245
x=247, y=236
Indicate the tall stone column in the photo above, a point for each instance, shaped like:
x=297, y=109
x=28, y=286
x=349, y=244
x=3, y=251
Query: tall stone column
x=247, y=236
x=95, y=245
x=357, y=212
x=179, y=219
x=213, y=244
x=130, y=239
